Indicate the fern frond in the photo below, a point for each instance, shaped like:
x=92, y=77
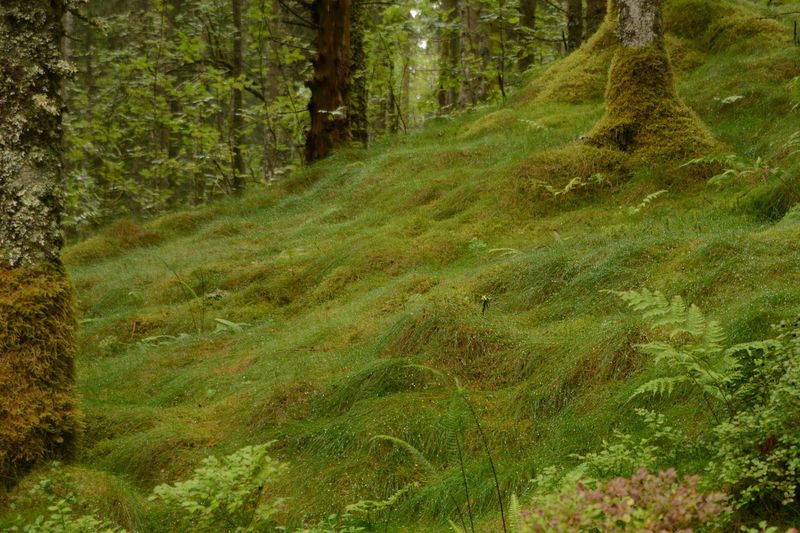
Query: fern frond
x=673, y=314
x=667, y=354
x=660, y=386
x=754, y=348
x=515, y=510
x=455, y=527
x=644, y=301
x=645, y=202
x=714, y=337
x=414, y=452
x=695, y=324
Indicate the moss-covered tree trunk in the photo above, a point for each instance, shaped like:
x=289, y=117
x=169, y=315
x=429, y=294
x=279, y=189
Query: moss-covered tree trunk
x=331, y=84
x=237, y=118
x=37, y=408
x=527, y=22
x=359, y=123
x=644, y=115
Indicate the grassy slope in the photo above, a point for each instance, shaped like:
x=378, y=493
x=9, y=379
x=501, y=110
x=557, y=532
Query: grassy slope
x=356, y=266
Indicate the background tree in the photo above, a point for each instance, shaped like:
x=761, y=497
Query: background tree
x=331, y=82
x=595, y=13
x=574, y=11
x=38, y=417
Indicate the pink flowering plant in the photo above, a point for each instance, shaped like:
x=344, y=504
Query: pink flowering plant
x=644, y=502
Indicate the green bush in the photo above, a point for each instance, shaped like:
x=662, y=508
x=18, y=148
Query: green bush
x=225, y=494
x=64, y=515
x=758, y=450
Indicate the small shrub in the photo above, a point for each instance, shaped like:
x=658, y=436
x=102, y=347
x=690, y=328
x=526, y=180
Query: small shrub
x=225, y=494
x=758, y=450
x=64, y=516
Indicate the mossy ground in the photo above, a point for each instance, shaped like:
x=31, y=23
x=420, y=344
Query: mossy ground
x=354, y=269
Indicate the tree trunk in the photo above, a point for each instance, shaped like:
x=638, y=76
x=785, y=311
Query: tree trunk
x=330, y=86
x=574, y=24
x=449, y=56
x=639, y=22
x=527, y=21
x=237, y=121
x=644, y=115
x=359, y=124
x=595, y=13
x=38, y=417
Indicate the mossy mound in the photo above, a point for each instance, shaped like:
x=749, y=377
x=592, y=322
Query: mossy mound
x=557, y=168
x=691, y=19
x=581, y=76
x=452, y=336
x=38, y=416
x=644, y=115
x=742, y=31
x=117, y=239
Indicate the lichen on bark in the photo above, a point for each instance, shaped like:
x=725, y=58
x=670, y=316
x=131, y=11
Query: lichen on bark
x=31, y=70
x=639, y=22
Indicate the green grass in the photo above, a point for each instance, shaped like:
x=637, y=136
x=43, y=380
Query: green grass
x=352, y=270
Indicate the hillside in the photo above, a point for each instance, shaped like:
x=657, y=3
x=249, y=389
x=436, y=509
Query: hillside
x=303, y=313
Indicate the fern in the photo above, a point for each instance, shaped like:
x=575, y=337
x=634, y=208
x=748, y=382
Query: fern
x=644, y=203
x=515, y=512
x=694, y=351
x=576, y=183
x=660, y=386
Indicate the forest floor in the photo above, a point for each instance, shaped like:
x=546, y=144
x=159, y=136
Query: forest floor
x=302, y=312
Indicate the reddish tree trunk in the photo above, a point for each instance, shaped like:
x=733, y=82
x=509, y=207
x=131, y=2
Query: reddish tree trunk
x=330, y=86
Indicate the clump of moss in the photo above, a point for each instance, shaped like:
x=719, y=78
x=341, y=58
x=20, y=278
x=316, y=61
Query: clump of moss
x=121, y=237
x=745, y=31
x=644, y=115
x=556, y=168
x=38, y=416
x=182, y=222
x=453, y=337
x=691, y=19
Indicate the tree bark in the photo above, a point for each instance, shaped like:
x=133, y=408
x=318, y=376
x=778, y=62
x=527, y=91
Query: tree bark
x=595, y=13
x=574, y=24
x=38, y=417
x=237, y=120
x=639, y=22
x=331, y=84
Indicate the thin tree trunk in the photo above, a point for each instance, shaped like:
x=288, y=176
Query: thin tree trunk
x=574, y=24
x=38, y=417
x=527, y=21
x=237, y=120
x=330, y=86
x=359, y=125
x=450, y=82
